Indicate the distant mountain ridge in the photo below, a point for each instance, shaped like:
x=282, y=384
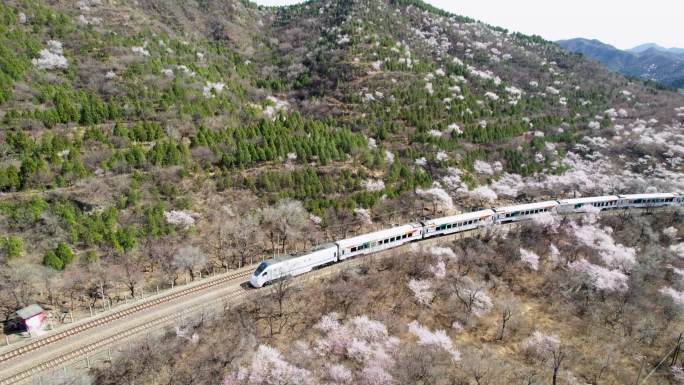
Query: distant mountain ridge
x=647, y=46
x=647, y=61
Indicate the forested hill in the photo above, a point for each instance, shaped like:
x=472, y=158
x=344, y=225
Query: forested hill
x=125, y=123
x=143, y=142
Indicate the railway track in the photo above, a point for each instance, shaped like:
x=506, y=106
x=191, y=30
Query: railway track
x=19, y=351
x=118, y=337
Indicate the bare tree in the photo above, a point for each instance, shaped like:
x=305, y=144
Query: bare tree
x=482, y=367
x=284, y=221
x=278, y=310
x=245, y=240
x=129, y=271
x=189, y=258
x=508, y=306
x=51, y=283
x=472, y=295
x=19, y=282
x=75, y=282
x=422, y=365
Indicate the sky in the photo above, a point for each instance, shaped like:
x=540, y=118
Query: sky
x=623, y=24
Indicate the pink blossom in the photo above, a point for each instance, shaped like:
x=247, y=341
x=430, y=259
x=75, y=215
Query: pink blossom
x=363, y=217
x=530, y=258
x=438, y=338
x=329, y=322
x=678, y=373
x=366, y=329
x=600, y=277
x=231, y=379
x=338, y=374
x=548, y=221
x=677, y=296
x=375, y=375
x=540, y=344
x=421, y=291
x=268, y=367
x=439, y=270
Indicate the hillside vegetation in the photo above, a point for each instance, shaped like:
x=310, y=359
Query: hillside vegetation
x=142, y=142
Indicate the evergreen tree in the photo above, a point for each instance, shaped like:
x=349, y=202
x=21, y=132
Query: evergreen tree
x=64, y=253
x=50, y=259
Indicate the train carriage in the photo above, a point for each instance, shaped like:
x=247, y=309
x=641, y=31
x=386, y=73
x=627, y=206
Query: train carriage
x=607, y=202
x=647, y=200
x=293, y=264
x=303, y=262
x=523, y=212
x=379, y=240
x=458, y=223
x=679, y=198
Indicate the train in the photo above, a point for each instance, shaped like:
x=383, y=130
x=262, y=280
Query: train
x=323, y=255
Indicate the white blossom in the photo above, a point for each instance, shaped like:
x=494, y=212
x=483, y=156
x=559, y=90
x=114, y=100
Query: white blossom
x=140, y=51
x=483, y=193
x=179, y=218
x=421, y=290
x=438, y=338
x=670, y=232
x=363, y=217
x=49, y=60
x=373, y=185
x=482, y=167
x=529, y=258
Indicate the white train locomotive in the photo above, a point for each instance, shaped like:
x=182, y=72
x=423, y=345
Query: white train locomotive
x=323, y=255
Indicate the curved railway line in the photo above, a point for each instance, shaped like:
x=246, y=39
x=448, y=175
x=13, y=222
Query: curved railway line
x=72, y=332
x=187, y=305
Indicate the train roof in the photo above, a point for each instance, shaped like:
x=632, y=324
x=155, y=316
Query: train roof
x=361, y=239
x=300, y=253
x=647, y=196
x=460, y=217
x=529, y=206
x=575, y=201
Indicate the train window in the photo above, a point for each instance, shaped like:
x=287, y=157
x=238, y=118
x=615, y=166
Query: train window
x=353, y=249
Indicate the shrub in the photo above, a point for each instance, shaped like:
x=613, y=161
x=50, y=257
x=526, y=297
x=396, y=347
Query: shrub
x=64, y=253
x=50, y=259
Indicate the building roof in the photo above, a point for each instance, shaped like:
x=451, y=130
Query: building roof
x=29, y=311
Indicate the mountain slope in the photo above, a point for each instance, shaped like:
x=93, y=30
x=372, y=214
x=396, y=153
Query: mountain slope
x=156, y=140
x=647, y=62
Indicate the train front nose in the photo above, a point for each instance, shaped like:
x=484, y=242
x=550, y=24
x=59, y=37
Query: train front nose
x=254, y=280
